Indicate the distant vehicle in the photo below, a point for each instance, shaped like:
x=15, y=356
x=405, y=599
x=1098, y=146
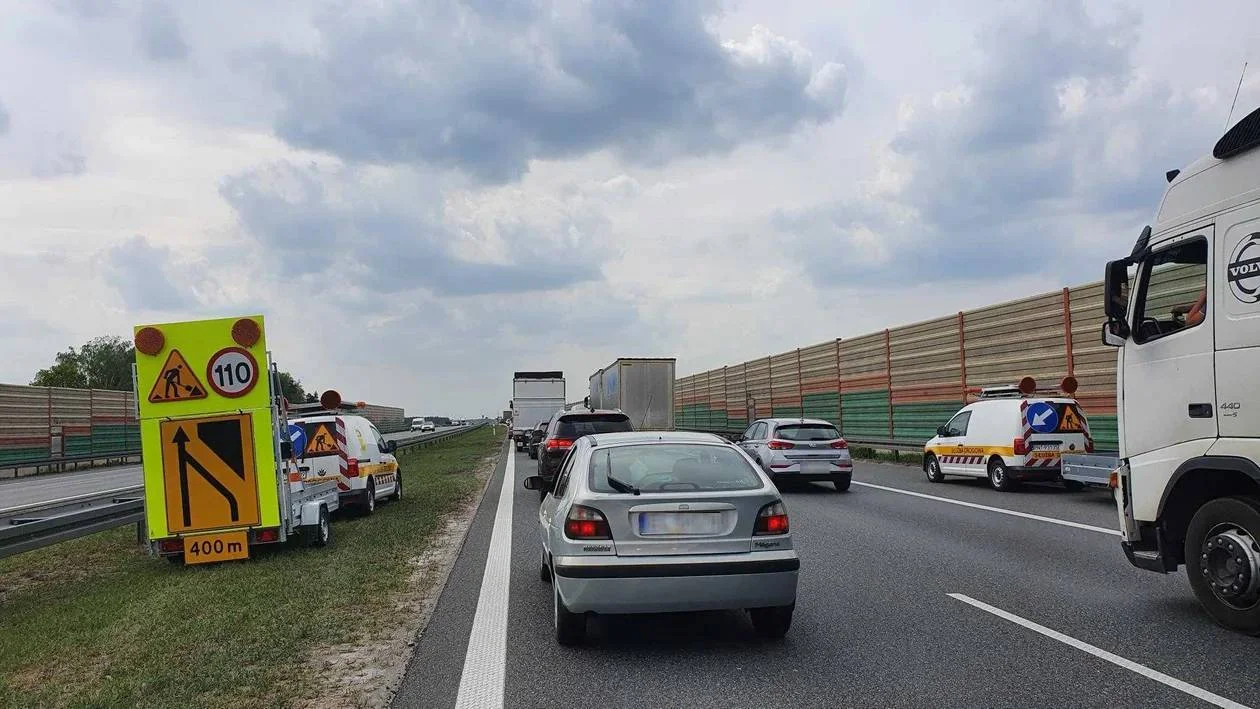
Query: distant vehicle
x=427, y=426
x=799, y=449
x=536, y=396
x=1010, y=435
x=416, y=424
x=641, y=387
x=664, y=522
x=371, y=472
x=568, y=426
x=535, y=439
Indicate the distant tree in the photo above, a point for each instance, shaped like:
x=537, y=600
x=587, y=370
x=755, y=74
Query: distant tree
x=312, y=397
x=100, y=363
x=292, y=389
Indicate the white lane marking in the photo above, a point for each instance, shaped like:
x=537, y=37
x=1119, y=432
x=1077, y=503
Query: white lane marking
x=1130, y=665
x=481, y=684
x=999, y=510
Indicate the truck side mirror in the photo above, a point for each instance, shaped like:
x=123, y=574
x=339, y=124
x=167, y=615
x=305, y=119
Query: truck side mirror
x=1115, y=301
x=1115, y=333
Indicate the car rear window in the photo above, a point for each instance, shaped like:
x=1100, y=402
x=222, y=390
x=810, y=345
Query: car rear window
x=585, y=425
x=807, y=432
x=672, y=467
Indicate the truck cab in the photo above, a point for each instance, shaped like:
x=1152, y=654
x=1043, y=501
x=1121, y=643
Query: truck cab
x=1184, y=310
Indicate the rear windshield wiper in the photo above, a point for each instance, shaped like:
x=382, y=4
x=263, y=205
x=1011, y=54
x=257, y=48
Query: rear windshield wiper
x=621, y=485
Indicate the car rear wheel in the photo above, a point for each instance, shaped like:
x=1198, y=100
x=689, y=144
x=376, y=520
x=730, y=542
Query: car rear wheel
x=544, y=571
x=999, y=476
x=933, y=470
x=1223, y=561
x=842, y=482
x=771, y=623
x=570, y=627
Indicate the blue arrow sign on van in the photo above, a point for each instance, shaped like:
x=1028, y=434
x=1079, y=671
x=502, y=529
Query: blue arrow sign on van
x=1042, y=417
x=297, y=435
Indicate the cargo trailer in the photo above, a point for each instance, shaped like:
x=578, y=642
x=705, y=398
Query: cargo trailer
x=641, y=387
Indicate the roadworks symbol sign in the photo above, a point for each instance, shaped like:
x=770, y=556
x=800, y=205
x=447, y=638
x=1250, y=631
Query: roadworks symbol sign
x=176, y=382
x=321, y=441
x=208, y=472
x=1071, y=421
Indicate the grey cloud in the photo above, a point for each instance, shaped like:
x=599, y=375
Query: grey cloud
x=89, y=9
x=392, y=234
x=145, y=277
x=58, y=155
x=1000, y=174
x=4, y=120
x=648, y=80
x=160, y=36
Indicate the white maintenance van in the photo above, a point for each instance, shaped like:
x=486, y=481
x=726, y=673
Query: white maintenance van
x=1184, y=310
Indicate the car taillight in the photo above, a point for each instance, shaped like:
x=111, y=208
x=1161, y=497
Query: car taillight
x=780, y=445
x=840, y=444
x=558, y=443
x=1020, y=446
x=352, y=468
x=586, y=523
x=772, y=519
x=1089, y=446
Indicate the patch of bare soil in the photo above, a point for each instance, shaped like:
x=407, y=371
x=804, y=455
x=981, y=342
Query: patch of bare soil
x=367, y=673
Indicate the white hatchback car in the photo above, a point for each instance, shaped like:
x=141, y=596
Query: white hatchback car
x=370, y=471
x=658, y=522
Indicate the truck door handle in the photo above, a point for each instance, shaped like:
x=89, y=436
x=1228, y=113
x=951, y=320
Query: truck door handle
x=1200, y=411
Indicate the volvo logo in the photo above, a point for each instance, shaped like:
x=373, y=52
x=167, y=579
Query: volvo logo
x=1243, y=271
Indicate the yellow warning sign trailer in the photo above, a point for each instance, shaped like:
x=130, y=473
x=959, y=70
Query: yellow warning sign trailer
x=218, y=475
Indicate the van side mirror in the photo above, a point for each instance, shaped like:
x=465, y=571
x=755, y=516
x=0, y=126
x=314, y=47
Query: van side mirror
x=1115, y=333
x=942, y=430
x=391, y=446
x=534, y=482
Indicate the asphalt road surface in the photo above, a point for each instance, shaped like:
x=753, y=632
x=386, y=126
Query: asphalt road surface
x=29, y=490
x=1007, y=599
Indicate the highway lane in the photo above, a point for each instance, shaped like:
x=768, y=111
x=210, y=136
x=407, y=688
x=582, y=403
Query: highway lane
x=29, y=490
x=875, y=624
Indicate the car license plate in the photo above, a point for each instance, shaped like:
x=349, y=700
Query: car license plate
x=816, y=467
x=1044, y=454
x=208, y=548
x=658, y=523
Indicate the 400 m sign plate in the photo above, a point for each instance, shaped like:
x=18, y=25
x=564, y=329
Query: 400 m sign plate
x=209, y=473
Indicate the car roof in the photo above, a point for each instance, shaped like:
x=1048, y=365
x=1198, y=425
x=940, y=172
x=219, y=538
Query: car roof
x=589, y=412
x=1016, y=400
x=607, y=439
x=784, y=420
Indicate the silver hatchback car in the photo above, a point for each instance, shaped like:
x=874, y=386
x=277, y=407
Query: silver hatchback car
x=660, y=522
x=799, y=449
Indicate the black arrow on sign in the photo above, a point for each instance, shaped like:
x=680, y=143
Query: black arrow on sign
x=185, y=461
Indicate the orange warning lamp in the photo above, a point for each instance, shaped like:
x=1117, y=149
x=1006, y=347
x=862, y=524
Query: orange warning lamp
x=1068, y=385
x=150, y=340
x=1028, y=386
x=330, y=399
x=245, y=332
x=360, y=404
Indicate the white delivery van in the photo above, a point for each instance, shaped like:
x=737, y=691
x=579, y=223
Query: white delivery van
x=1010, y=435
x=350, y=450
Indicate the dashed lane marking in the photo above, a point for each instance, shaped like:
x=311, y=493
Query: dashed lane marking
x=481, y=684
x=999, y=510
x=1197, y=692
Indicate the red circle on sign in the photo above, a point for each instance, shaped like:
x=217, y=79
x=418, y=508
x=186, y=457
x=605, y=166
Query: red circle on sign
x=224, y=372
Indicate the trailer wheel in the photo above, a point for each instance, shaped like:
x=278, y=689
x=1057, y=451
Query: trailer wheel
x=319, y=534
x=1223, y=561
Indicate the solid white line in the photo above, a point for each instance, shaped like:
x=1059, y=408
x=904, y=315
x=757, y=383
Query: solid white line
x=1130, y=665
x=481, y=684
x=999, y=510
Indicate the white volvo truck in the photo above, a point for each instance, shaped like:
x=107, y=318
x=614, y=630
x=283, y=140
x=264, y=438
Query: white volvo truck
x=1184, y=310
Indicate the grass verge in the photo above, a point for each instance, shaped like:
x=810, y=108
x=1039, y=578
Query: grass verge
x=96, y=622
x=905, y=457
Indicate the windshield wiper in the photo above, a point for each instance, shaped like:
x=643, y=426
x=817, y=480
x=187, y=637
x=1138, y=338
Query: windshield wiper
x=621, y=485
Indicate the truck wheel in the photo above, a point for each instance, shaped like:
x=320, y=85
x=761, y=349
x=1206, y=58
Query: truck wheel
x=999, y=476
x=369, y=498
x=933, y=470
x=771, y=623
x=1073, y=485
x=1223, y=561
x=320, y=533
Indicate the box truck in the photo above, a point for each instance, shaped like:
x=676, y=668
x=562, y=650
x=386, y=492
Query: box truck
x=641, y=387
x=536, y=396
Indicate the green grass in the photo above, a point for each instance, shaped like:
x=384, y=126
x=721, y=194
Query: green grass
x=907, y=457
x=96, y=622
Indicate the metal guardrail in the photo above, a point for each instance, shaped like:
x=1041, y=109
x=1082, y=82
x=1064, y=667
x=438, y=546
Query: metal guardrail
x=74, y=460
x=28, y=527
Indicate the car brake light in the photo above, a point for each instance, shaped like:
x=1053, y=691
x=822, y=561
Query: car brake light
x=840, y=444
x=557, y=443
x=772, y=519
x=1020, y=446
x=352, y=468
x=586, y=523
x=780, y=445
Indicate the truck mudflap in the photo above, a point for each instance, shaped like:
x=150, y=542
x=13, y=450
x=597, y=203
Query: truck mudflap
x=1144, y=543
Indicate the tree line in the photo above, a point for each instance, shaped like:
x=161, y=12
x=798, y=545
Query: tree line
x=105, y=363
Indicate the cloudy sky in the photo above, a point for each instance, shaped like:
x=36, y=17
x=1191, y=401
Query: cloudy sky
x=423, y=196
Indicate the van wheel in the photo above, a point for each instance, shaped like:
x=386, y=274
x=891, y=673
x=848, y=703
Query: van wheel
x=999, y=476
x=369, y=498
x=397, y=494
x=1223, y=561
x=933, y=470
